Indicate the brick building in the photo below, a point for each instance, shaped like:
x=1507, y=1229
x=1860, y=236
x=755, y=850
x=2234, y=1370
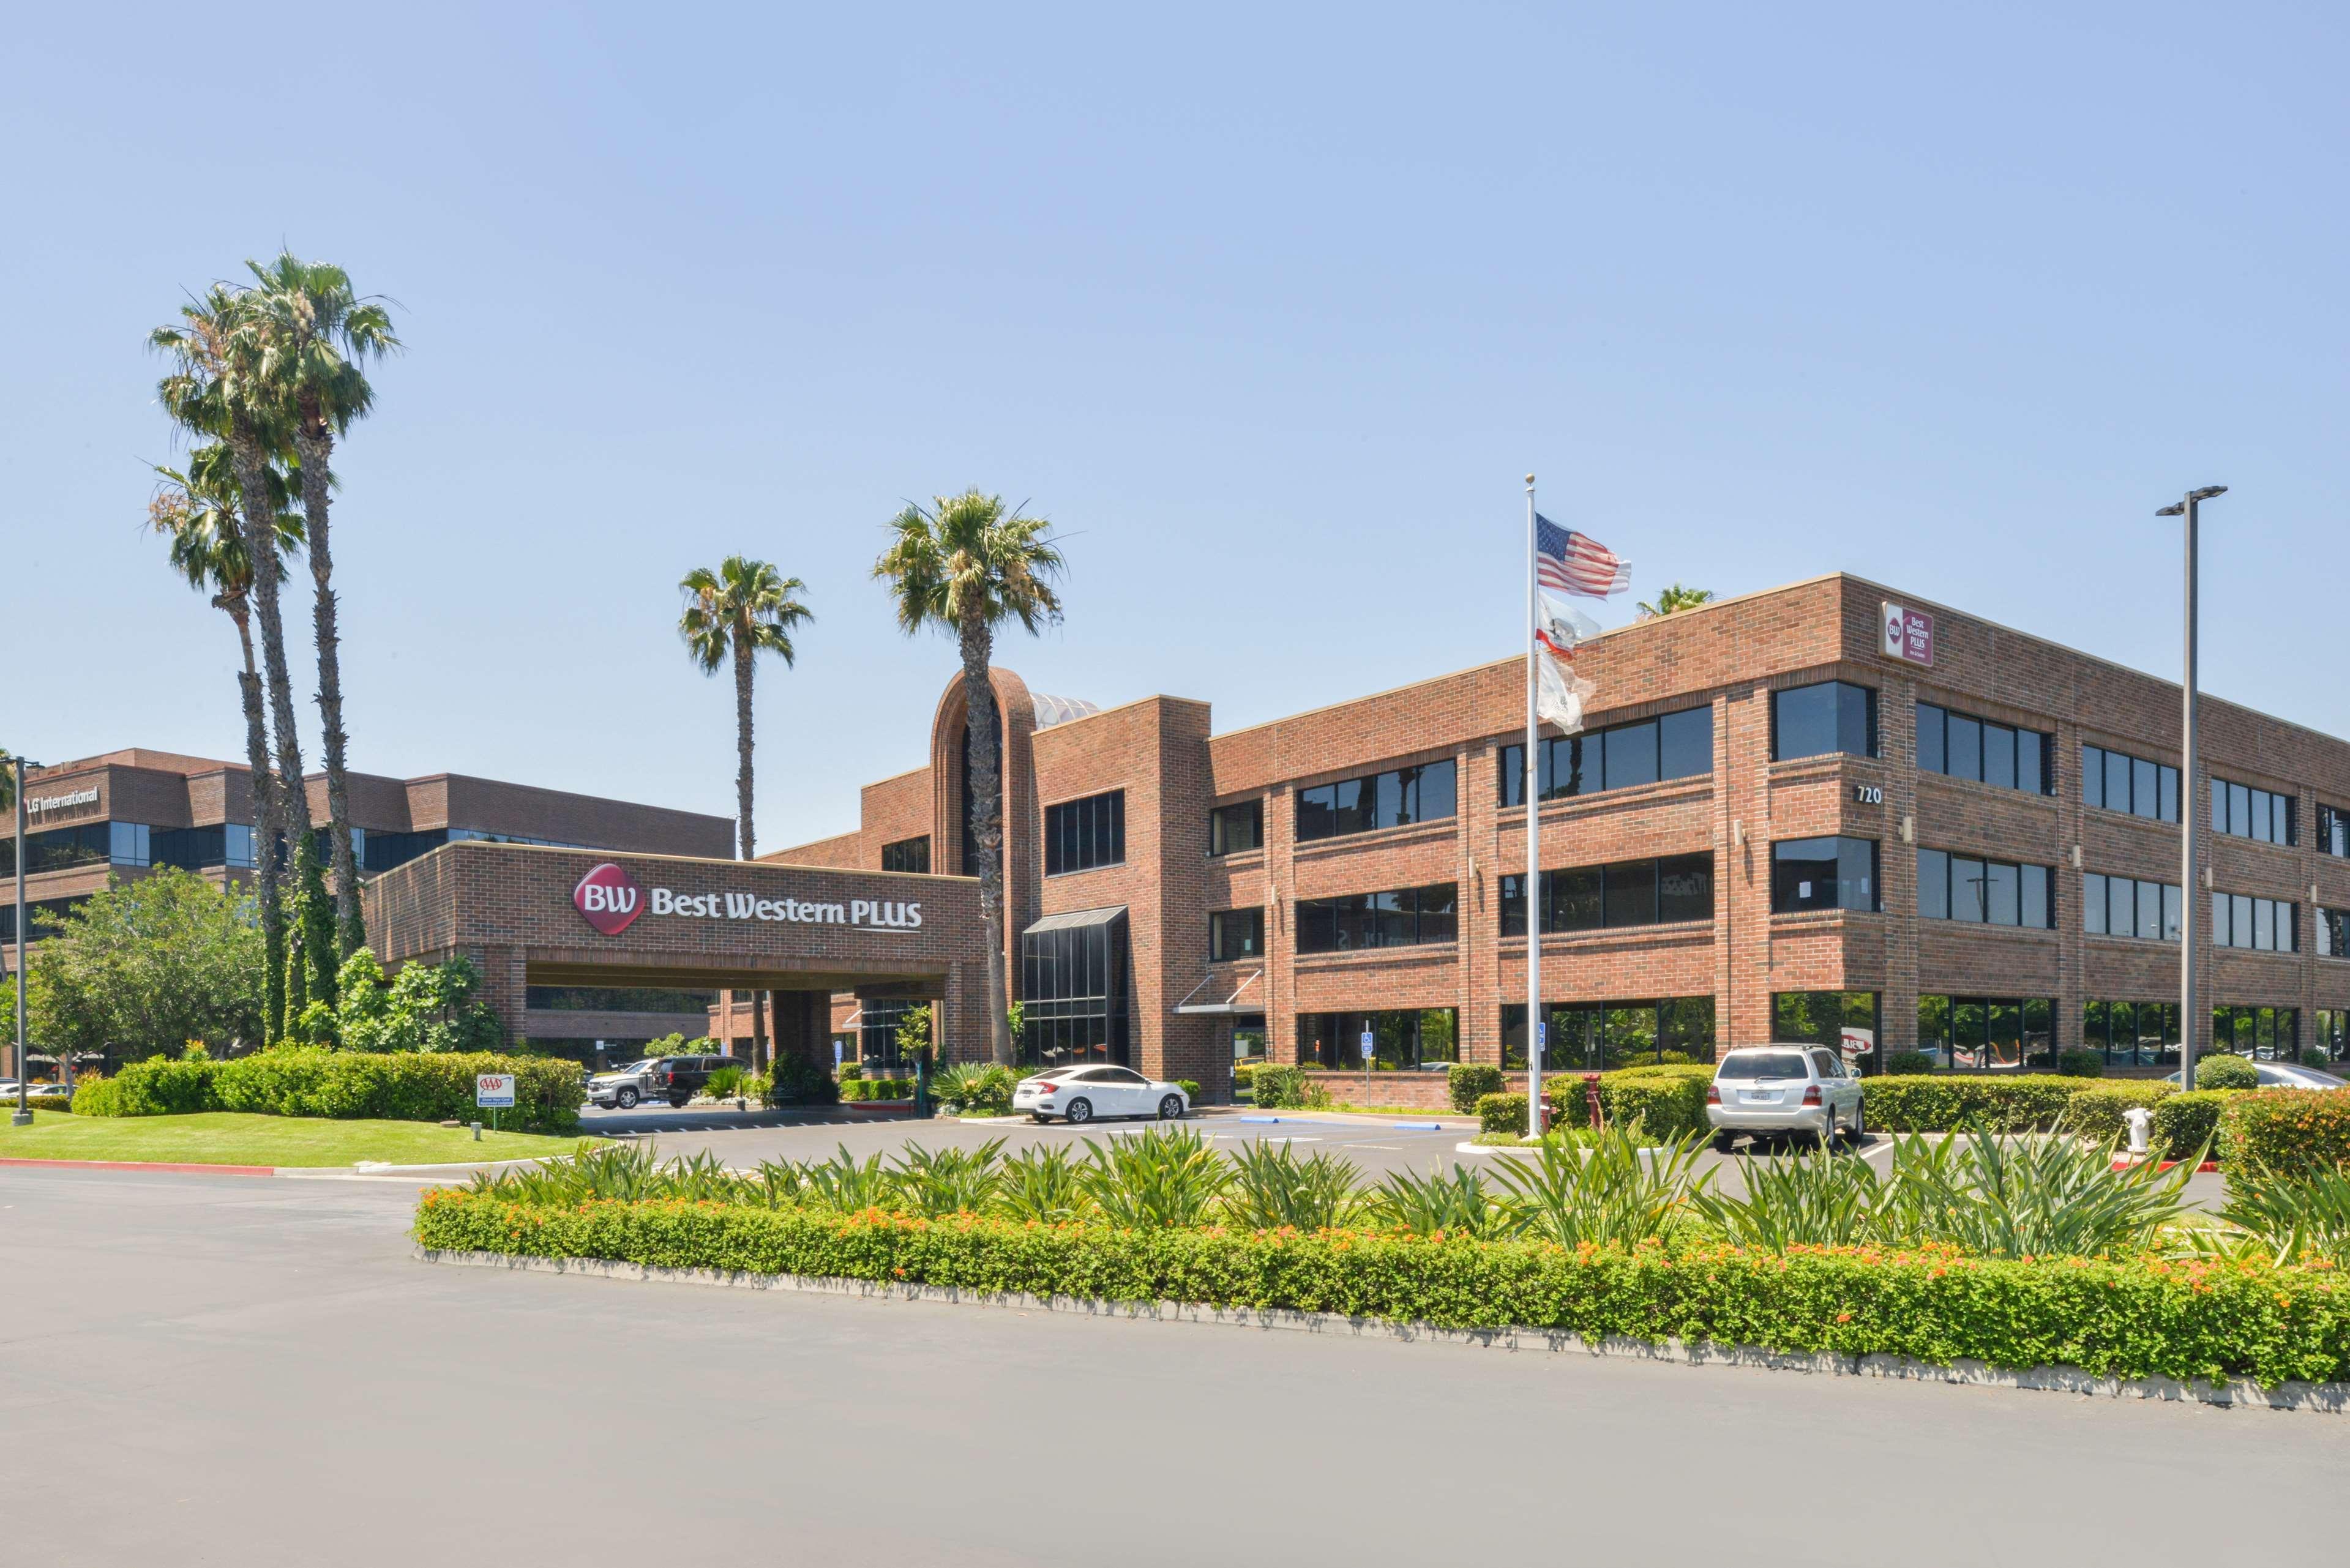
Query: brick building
x=125, y=814
x=1772, y=829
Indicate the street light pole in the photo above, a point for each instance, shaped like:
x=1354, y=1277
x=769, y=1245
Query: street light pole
x=2191, y=789
x=23, y=1117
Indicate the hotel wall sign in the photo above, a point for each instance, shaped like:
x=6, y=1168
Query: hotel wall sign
x=1908, y=634
x=609, y=899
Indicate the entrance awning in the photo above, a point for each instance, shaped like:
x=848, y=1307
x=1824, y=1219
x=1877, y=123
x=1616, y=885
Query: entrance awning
x=1076, y=921
x=1224, y=994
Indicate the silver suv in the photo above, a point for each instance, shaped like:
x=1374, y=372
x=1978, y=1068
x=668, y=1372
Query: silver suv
x=1768, y=1091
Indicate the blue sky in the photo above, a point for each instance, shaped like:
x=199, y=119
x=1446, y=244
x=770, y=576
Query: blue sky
x=1268, y=308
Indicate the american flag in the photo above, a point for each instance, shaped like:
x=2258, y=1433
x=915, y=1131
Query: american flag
x=1577, y=563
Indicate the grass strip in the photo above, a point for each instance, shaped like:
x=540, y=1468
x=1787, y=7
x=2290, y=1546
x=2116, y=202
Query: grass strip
x=235, y=1138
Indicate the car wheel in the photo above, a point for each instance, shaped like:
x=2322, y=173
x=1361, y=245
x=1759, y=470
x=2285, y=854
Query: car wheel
x=626, y=1099
x=1859, y=1124
x=678, y=1101
x=1078, y=1111
x=1039, y=1118
x=1170, y=1108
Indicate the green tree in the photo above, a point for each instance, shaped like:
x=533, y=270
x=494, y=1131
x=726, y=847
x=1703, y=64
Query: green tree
x=213, y=389
x=425, y=1007
x=1676, y=599
x=732, y=614
x=197, y=511
x=966, y=568
x=313, y=336
x=145, y=967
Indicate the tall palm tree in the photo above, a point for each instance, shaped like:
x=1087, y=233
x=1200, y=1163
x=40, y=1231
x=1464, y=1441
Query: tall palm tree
x=741, y=610
x=314, y=335
x=215, y=389
x=1676, y=599
x=965, y=567
x=196, y=509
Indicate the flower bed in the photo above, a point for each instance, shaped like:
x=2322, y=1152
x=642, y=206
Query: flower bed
x=2125, y=1317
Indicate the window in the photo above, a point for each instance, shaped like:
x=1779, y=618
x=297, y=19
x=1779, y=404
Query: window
x=2269, y=1034
x=1822, y=874
x=2132, y=1034
x=2332, y=830
x=2263, y=815
x=1676, y=746
x=2329, y=1039
x=87, y=843
x=202, y=848
x=1971, y=748
x=2111, y=781
x=1402, y=1041
x=619, y=999
x=1845, y=1021
x=2128, y=907
x=2262, y=925
x=1988, y=1033
x=1988, y=892
x=1391, y=799
x=907, y=855
x=45, y=915
x=1074, y=1007
x=2332, y=933
x=1628, y=893
x=1236, y=934
x=1814, y=720
x=1601, y=1034
x=1080, y=834
x=1407, y=917
x=1235, y=827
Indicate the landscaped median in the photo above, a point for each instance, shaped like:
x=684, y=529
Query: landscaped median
x=2122, y=1318
x=263, y=1142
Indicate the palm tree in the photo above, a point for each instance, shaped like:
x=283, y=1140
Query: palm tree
x=314, y=334
x=197, y=511
x=1675, y=599
x=967, y=566
x=214, y=390
x=741, y=610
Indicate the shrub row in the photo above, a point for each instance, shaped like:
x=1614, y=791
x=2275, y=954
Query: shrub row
x=306, y=1081
x=878, y=1089
x=2285, y=1130
x=1668, y=1100
x=2142, y=1318
x=1469, y=1082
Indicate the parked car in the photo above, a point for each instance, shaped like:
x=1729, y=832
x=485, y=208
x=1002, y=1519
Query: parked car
x=1078, y=1094
x=1767, y=1091
x=35, y=1094
x=676, y=1079
x=2290, y=1075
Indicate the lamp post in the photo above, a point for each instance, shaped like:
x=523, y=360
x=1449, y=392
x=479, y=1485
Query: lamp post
x=2191, y=789
x=23, y=1115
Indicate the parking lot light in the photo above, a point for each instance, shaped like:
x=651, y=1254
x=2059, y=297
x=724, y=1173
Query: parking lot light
x=2190, y=786
x=23, y=1113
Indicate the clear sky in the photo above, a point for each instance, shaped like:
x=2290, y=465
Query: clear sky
x=1266, y=308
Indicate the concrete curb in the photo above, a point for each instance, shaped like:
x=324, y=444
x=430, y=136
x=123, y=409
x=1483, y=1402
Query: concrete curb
x=2320, y=1398
x=189, y=1169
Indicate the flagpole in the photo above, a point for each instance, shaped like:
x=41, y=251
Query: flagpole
x=1534, y=1031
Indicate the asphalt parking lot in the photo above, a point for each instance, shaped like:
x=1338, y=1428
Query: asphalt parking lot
x=269, y=1377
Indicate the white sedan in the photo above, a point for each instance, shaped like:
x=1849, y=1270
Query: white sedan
x=1078, y=1094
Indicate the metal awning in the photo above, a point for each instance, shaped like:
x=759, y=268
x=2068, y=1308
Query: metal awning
x=1076, y=921
x=1225, y=996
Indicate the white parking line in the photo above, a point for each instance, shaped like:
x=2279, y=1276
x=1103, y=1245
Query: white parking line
x=1387, y=1147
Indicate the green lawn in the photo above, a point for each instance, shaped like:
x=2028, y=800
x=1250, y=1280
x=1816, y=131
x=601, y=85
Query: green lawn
x=230, y=1138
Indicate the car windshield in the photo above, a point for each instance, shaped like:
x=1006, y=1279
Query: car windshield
x=1055, y=1076
x=1762, y=1064
x=637, y=1066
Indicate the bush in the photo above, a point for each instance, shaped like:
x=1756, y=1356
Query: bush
x=97, y=1096
x=798, y=1082
x=974, y=1089
x=1191, y=1092
x=2077, y=1063
x=2133, y=1317
x=2095, y=1114
x=1906, y=1062
x=306, y=1081
x=2187, y=1124
x=2226, y=1071
x=1668, y=1100
x=1278, y=1086
x=1502, y=1114
x=1947, y=1101
x=726, y=1082
x=1469, y=1082
x=2286, y=1132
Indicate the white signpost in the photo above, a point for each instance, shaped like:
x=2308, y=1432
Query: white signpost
x=1366, y=1067
x=493, y=1092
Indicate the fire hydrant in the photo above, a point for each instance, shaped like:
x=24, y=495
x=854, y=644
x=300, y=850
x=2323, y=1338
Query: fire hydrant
x=1591, y=1098
x=2140, y=1121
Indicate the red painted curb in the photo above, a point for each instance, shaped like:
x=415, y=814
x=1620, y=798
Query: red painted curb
x=145, y=1164
x=2209, y=1168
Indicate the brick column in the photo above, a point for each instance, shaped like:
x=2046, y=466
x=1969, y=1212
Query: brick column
x=1280, y=940
x=1897, y=743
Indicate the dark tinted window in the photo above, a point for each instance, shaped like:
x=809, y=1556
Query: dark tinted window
x=1822, y=874
x=2265, y=815
x=1678, y=745
x=1080, y=834
x=1631, y=756
x=1631, y=893
x=2132, y=786
x=1355, y=921
x=1236, y=933
x=1685, y=743
x=1744, y=1065
x=1391, y=799
x=907, y=855
x=1814, y=720
x=1239, y=827
x=1628, y=893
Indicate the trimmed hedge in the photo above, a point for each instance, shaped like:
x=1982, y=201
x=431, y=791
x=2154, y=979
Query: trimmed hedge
x=2024, y=1102
x=2187, y=1124
x=2286, y=1130
x=2096, y=1112
x=2078, y=1063
x=1501, y=1113
x=2224, y=1070
x=1899, y=1063
x=1671, y=1100
x=2141, y=1317
x=309, y=1081
x=878, y=1089
x=1469, y=1082
x=1277, y=1086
